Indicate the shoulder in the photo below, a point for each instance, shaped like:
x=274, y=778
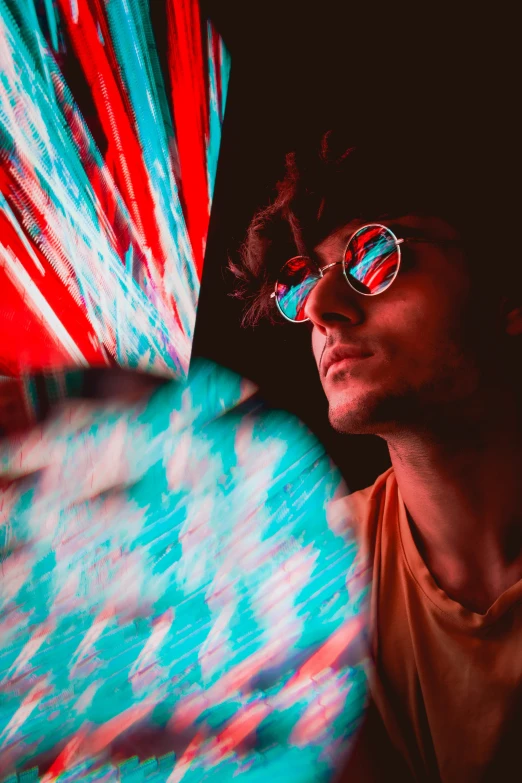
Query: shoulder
x=363, y=511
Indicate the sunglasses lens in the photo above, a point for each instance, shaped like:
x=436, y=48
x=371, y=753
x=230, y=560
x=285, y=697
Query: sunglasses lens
x=295, y=282
x=372, y=259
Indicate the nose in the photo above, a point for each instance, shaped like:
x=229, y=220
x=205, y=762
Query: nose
x=332, y=301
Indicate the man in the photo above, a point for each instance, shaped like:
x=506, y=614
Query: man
x=402, y=264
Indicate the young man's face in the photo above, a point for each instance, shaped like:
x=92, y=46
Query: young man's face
x=417, y=350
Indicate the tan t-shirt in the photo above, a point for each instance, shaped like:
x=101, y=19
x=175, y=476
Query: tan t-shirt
x=446, y=680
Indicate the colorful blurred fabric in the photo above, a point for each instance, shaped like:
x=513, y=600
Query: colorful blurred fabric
x=177, y=600
x=110, y=126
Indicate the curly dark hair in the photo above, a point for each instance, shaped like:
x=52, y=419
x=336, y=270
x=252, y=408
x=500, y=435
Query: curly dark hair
x=333, y=182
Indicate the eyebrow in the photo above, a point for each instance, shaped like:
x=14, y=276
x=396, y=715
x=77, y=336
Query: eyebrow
x=400, y=230
x=406, y=232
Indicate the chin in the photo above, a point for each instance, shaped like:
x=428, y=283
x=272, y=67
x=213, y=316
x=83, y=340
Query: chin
x=351, y=419
x=371, y=413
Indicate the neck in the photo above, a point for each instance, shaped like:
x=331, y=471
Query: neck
x=460, y=482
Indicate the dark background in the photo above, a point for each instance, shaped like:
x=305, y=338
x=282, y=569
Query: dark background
x=296, y=71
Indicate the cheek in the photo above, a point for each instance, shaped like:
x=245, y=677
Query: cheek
x=427, y=312
x=427, y=332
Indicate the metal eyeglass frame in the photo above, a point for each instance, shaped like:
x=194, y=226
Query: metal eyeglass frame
x=323, y=269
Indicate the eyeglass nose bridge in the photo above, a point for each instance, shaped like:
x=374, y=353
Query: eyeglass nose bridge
x=323, y=269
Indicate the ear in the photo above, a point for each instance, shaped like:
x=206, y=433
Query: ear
x=511, y=317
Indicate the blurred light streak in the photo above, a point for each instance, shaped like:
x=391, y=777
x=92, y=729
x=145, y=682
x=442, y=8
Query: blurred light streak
x=214, y=606
x=106, y=180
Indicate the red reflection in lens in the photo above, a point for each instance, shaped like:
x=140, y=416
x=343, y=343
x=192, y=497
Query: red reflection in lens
x=372, y=259
x=296, y=280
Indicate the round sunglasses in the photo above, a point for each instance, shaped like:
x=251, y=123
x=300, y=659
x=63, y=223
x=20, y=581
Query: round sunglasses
x=371, y=262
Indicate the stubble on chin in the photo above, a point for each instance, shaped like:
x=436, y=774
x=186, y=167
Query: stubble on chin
x=389, y=413
x=373, y=413
x=354, y=416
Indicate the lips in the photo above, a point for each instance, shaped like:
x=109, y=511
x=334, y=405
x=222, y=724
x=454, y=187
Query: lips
x=342, y=353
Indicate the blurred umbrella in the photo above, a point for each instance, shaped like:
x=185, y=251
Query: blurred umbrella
x=178, y=601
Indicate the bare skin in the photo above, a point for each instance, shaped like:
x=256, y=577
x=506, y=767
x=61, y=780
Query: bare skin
x=428, y=372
